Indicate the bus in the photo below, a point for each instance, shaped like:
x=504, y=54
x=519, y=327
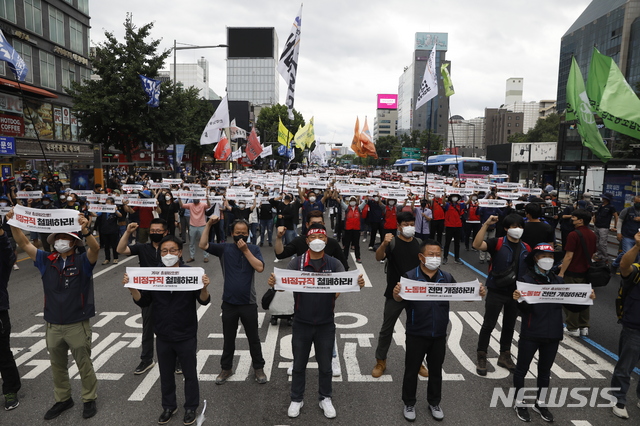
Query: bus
x=464, y=167
x=405, y=165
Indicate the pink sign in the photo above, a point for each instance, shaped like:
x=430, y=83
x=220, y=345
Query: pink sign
x=387, y=101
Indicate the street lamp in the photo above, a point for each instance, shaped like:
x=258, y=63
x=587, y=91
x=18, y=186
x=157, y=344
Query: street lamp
x=175, y=48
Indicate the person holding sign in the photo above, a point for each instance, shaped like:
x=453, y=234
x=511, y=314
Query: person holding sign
x=175, y=324
x=351, y=235
x=426, y=333
x=313, y=323
x=541, y=330
x=67, y=278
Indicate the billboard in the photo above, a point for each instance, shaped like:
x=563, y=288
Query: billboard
x=250, y=42
x=425, y=41
x=387, y=101
x=540, y=151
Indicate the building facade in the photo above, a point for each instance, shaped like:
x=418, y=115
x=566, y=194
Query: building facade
x=385, y=122
x=467, y=136
x=500, y=123
x=52, y=37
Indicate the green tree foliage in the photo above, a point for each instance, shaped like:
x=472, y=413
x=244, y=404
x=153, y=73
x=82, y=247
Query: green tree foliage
x=546, y=130
x=267, y=127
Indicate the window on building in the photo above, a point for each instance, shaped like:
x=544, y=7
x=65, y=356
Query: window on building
x=83, y=5
x=85, y=74
x=508, y=132
x=68, y=73
x=2, y=69
x=33, y=16
x=517, y=124
x=517, y=117
x=8, y=10
x=75, y=36
x=508, y=124
x=26, y=52
x=56, y=26
x=47, y=70
x=509, y=117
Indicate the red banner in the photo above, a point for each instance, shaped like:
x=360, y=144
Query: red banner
x=253, y=146
x=223, y=149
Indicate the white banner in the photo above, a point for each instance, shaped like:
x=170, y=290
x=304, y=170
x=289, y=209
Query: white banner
x=508, y=195
x=166, y=279
x=266, y=151
x=142, y=202
x=172, y=181
x=492, y=203
x=196, y=193
x=316, y=282
x=5, y=210
x=93, y=198
x=571, y=294
x=45, y=220
x=393, y=193
x=508, y=185
x=127, y=188
x=428, y=291
x=29, y=194
x=158, y=185
x=530, y=191
x=82, y=192
x=218, y=183
x=102, y=208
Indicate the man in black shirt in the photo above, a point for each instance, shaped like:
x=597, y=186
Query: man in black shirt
x=535, y=230
x=602, y=221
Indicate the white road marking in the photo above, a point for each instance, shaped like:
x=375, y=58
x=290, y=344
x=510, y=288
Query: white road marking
x=367, y=281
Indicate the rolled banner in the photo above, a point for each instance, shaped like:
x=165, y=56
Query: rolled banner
x=45, y=220
x=316, y=282
x=423, y=291
x=102, y=208
x=165, y=279
x=570, y=294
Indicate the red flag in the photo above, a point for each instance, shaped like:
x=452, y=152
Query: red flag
x=368, y=147
x=253, y=146
x=223, y=149
x=356, y=145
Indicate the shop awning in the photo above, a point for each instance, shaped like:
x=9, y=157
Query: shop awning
x=27, y=88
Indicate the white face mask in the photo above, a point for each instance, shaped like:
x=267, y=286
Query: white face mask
x=392, y=202
x=376, y=198
x=242, y=206
x=170, y=259
x=352, y=203
x=515, y=233
x=432, y=263
x=46, y=203
x=317, y=245
x=3, y=204
x=454, y=199
x=312, y=199
x=408, y=231
x=62, y=198
x=545, y=263
x=62, y=246
x=167, y=197
x=548, y=201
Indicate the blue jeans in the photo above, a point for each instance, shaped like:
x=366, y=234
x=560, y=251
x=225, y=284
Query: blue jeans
x=266, y=225
x=322, y=337
x=627, y=243
x=629, y=353
x=254, y=232
x=289, y=236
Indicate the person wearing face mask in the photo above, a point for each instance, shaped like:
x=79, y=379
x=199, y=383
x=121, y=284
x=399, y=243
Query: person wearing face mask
x=351, y=235
x=485, y=213
x=67, y=280
x=453, y=211
x=602, y=222
x=541, y=329
x=472, y=222
x=169, y=210
x=507, y=264
x=286, y=209
x=197, y=224
x=148, y=257
x=424, y=216
x=313, y=323
x=107, y=225
x=437, y=223
x=401, y=253
x=375, y=219
x=311, y=202
x=390, y=217
x=239, y=261
x=535, y=230
x=628, y=225
x=575, y=266
x=175, y=323
x=426, y=334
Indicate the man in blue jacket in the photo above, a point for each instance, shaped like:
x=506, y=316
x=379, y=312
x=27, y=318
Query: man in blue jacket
x=8, y=369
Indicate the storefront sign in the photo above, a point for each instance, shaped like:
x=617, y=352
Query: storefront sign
x=7, y=145
x=10, y=103
x=11, y=125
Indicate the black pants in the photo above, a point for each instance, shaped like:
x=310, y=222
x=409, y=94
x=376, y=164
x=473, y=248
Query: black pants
x=470, y=231
x=8, y=369
x=546, y=356
x=417, y=348
x=437, y=228
x=494, y=303
x=147, y=334
x=351, y=236
x=376, y=227
x=185, y=352
x=248, y=314
x=322, y=338
x=110, y=243
x=455, y=234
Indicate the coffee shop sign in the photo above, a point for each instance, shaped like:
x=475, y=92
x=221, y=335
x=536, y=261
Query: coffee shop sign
x=61, y=147
x=71, y=55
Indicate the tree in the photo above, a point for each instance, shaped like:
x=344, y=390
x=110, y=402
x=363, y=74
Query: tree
x=267, y=126
x=547, y=129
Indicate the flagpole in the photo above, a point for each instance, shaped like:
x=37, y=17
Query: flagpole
x=35, y=129
x=426, y=163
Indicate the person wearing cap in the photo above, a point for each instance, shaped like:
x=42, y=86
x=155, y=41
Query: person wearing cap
x=602, y=222
x=67, y=278
x=310, y=203
x=541, y=329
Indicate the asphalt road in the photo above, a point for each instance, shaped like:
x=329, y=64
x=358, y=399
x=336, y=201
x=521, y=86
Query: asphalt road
x=126, y=399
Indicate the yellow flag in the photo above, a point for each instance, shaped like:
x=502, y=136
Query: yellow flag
x=305, y=136
x=284, y=135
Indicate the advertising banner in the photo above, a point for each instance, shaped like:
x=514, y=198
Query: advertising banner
x=165, y=279
x=426, y=291
x=572, y=294
x=47, y=221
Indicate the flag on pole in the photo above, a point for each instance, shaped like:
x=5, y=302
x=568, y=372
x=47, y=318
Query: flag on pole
x=218, y=121
x=612, y=97
x=253, y=146
x=266, y=151
x=284, y=135
x=446, y=80
x=579, y=109
x=305, y=136
x=236, y=132
x=286, y=152
x=14, y=60
x=429, y=87
x=152, y=89
x=319, y=154
x=356, y=145
x=223, y=149
x=237, y=154
x=368, y=148
x=288, y=64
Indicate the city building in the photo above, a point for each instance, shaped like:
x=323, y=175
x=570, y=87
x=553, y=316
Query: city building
x=435, y=113
x=252, y=58
x=500, y=123
x=191, y=75
x=467, y=136
x=515, y=86
x=52, y=37
x=385, y=122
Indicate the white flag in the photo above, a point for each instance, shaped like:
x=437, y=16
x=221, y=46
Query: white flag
x=318, y=154
x=236, y=132
x=429, y=86
x=266, y=151
x=288, y=64
x=219, y=120
x=236, y=155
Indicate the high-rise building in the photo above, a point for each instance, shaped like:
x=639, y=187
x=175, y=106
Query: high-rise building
x=386, y=121
x=467, y=136
x=612, y=26
x=435, y=113
x=513, y=94
x=500, y=123
x=252, y=58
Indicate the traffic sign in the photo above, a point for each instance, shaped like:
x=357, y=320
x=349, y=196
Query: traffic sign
x=411, y=153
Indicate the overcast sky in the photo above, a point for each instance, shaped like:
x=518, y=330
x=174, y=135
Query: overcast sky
x=352, y=50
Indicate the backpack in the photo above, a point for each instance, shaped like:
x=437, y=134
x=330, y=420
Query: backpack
x=626, y=284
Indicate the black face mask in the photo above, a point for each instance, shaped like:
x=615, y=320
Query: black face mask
x=237, y=238
x=423, y=205
x=287, y=198
x=156, y=238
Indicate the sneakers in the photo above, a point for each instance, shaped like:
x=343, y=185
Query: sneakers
x=481, y=366
x=358, y=261
x=190, y=260
x=620, y=411
x=505, y=361
x=327, y=408
x=335, y=367
x=573, y=333
x=144, y=366
x=58, y=408
x=166, y=415
x=444, y=260
x=294, y=409
x=11, y=401
x=481, y=261
x=89, y=409
x=378, y=370
x=261, y=378
x=409, y=412
x=15, y=267
x=370, y=248
x=522, y=413
x=584, y=331
x=436, y=412
x=106, y=262
x=178, y=367
x=276, y=260
x=458, y=262
x=206, y=260
x=544, y=412
x=423, y=371
x=290, y=371
x=115, y=261
x=189, y=417
x=223, y=376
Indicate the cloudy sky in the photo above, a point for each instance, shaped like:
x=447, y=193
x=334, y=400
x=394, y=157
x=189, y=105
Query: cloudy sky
x=352, y=50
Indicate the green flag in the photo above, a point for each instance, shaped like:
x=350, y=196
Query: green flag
x=579, y=109
x=612, y=97
x=446, y=80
